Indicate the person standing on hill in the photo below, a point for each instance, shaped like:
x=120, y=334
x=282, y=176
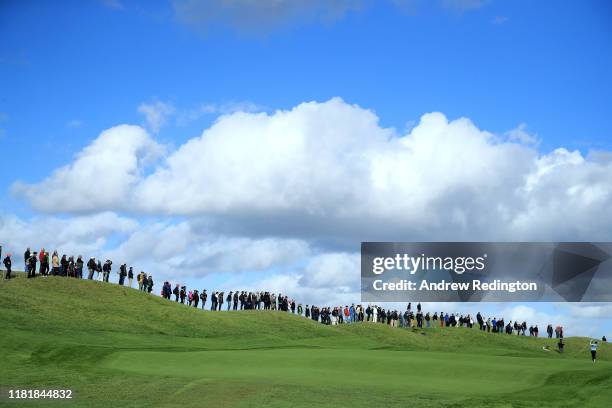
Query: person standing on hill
x=26, y=261
x=183, y=294
x=235, y=300
x=79, y=267
x=176, y=292
x=203, y=297
x=150, y=283
x=55, y=264
x=45, y=261
x=130, y=276
x=273, y=302
x=7, y=264
x=593, y=345
x=64, y=265
x=106, y=269
x=213, y=301
x=242, y=299
x=196, y=298
x=91, y=267
x=229, y=300
x=122, y=274
x=140, y=280
x=32, y=265
x=220, y=300
x=71, y=270
x=43, y=258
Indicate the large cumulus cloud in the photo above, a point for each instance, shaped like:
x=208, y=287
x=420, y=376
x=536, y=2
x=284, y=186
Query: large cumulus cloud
x=100, y=177
x=328, y=171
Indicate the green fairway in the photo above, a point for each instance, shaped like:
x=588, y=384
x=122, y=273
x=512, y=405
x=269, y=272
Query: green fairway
x=118, y=347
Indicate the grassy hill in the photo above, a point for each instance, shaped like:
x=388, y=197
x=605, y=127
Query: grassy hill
x=116, y=346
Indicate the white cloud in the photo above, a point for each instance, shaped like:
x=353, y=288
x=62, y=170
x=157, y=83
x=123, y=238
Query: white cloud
x=190, y=115
x=328, y=171
x=332, y=270
x=330, y=167
x=156, y=114
x=84, y=235
x=188, y=252
x=589, y=310
x=291, y=284
x=520, y=134
x=101, y=176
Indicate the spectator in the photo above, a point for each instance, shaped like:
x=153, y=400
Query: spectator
x=7, y=264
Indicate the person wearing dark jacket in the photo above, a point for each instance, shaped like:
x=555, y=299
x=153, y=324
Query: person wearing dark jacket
x=213, y=301
x=79, y=267
x=150, y=284
x=106, y=269
x=203, y=297
x=196, y=298
x=122, y=274
x=91, y=266
x=130, y=276
x=229, y=300
x=220, y=300
x=176, y=292
x=64, y=266
x=7, y=264
x=26, y=261
x=166, y=290
x=32, y=265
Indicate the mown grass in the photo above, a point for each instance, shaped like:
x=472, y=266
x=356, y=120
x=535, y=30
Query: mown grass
x=115, y=346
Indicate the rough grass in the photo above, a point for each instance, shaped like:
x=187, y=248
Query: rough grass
x=115, y=346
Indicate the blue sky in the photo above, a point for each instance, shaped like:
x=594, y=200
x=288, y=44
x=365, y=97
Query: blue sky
x=72, y=69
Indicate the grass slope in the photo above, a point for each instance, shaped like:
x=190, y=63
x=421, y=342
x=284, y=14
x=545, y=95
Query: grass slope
x=115, y=346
